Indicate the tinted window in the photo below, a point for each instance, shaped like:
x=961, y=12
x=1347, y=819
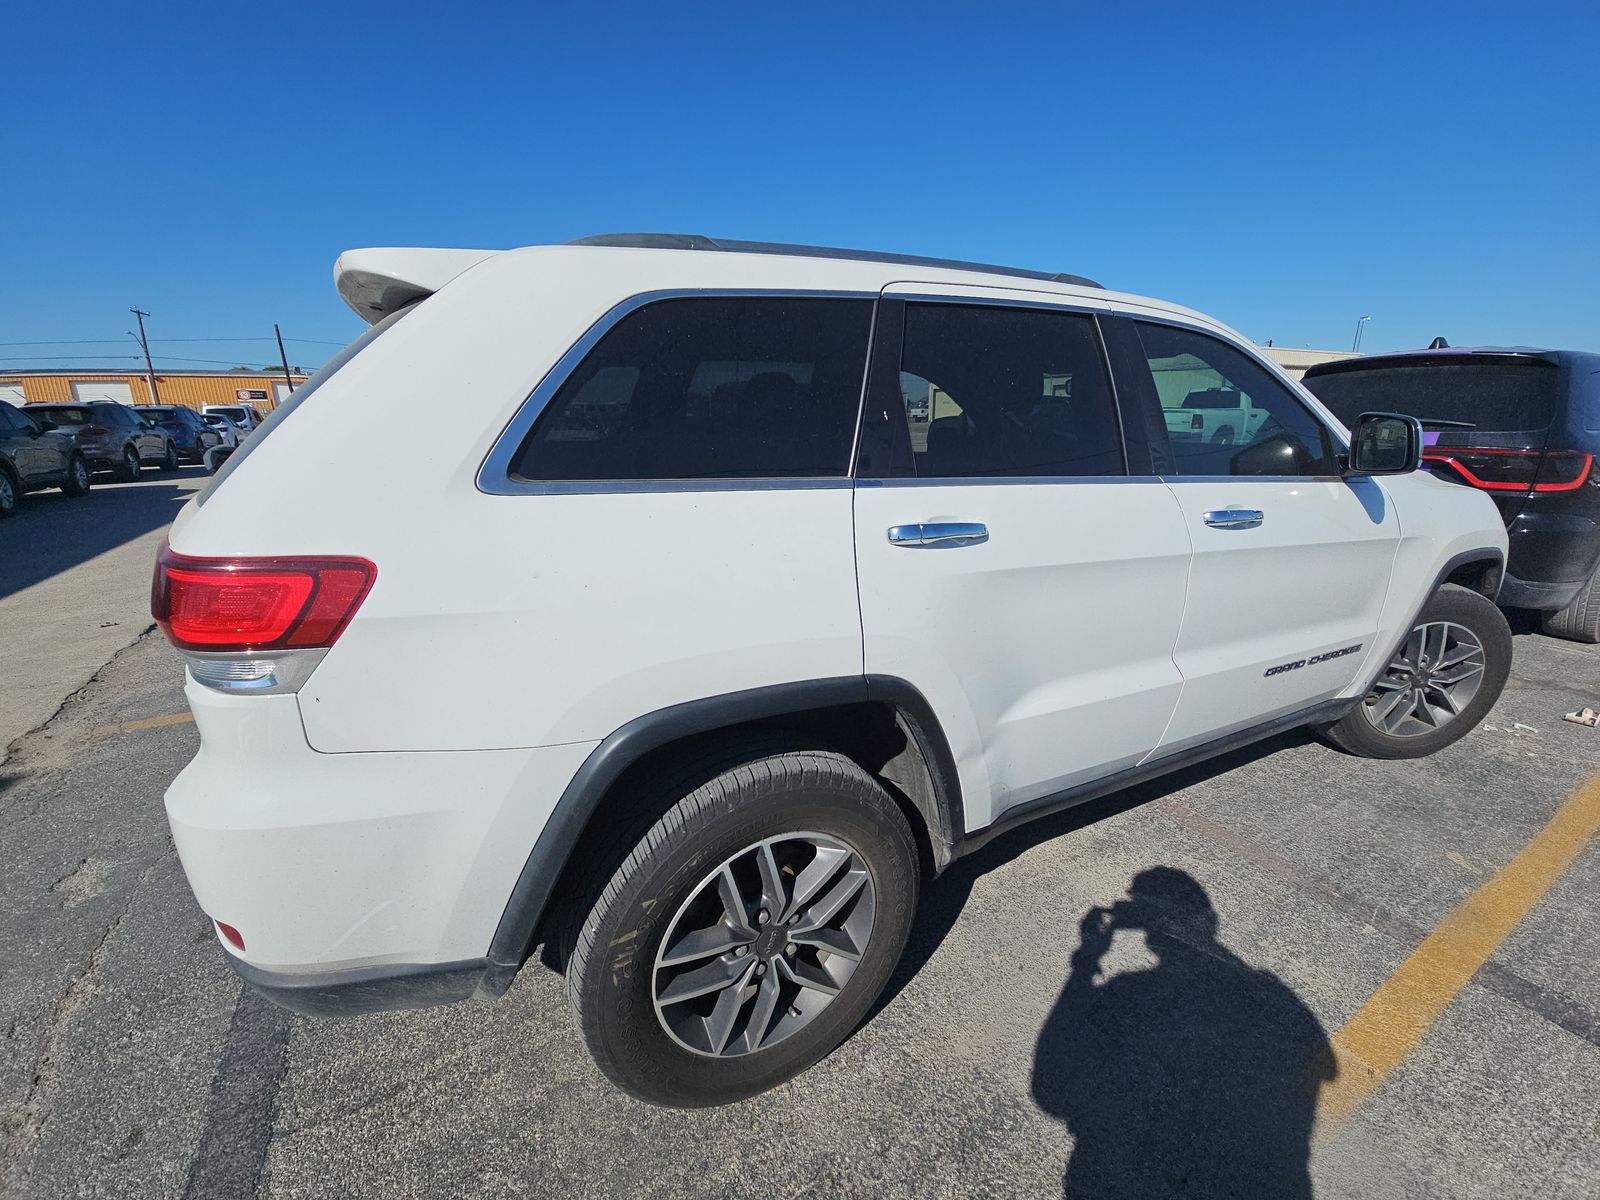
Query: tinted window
x=1005, y=391
x=236, y=413
x=1496, y=397
x=67, y=416
x=709, y=388
x=1223, y=412
x=8, y=422
x=20, y=421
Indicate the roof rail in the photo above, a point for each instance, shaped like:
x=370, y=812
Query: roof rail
x=695, y=241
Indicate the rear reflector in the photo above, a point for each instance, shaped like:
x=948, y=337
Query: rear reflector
x=224, y=604
x=233, y=936
x=1496, y=470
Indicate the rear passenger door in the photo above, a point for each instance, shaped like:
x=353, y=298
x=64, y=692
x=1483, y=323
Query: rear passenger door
x=1291, y=562
x=1010, y=568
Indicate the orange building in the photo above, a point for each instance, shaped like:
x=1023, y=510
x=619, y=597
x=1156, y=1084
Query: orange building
x=259, y=389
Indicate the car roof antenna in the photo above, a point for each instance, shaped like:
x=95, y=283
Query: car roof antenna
x=1438, y=343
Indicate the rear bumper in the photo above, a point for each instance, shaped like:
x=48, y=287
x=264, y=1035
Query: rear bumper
x=358, y=881
x=1552, y=556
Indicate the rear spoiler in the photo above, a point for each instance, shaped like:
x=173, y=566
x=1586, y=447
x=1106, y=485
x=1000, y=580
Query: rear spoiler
x=379, y=281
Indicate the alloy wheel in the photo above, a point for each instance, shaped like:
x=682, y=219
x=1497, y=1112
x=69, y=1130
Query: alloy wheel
x=763, y=944
x=1431, y=680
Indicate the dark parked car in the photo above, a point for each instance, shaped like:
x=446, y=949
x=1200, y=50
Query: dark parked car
x=113, y=437
x=1522, y=425
x=192, y=436
x=35, y=455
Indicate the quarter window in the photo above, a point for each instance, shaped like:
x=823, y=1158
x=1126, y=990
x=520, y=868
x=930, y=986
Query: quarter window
x=710, y=388
x=992, y=391
x=1224, y=413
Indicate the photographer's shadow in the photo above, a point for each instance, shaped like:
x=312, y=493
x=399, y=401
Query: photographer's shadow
x=1194, y=1077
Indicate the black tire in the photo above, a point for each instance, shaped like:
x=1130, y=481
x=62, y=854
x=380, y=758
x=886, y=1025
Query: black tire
x=1579, y=621
x=128, y=468
x=1223, y=436
x=169, y=461
x=1356, y=734
x=10, y=493
x=77, y=480
x=713, y=807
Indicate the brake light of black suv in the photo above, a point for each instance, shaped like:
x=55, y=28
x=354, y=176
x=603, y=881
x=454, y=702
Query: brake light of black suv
x=1499, y=470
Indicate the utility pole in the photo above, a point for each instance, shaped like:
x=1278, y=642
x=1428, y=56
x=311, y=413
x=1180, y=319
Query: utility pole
x=1355, y=346
x=284, y=359
x=149, y=369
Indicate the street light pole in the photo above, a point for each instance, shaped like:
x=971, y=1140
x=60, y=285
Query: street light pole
x=149, y=369
x=1355, y=346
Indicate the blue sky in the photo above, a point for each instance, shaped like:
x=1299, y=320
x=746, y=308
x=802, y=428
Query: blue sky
x=1286, y=168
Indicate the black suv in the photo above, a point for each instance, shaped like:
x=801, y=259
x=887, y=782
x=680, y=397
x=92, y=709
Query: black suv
x=1522, y=425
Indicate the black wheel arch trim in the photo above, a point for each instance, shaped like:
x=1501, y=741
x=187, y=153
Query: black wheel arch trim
x=515, y=937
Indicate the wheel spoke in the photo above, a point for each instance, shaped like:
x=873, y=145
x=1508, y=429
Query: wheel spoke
x=840, y=894
x=1445, y=700
x=1423, y=711
x=732, y=901
x=1460, y=654
x=719, y=1025
x=808, y=977
x=1381, y=711
x=834, y=941
x=771, y=881
x=1390, y=684
x=815, y=877
x=702, y=981
x=703, y=943
x=755, y=1030
x=1412, y=654
x=1457, y=674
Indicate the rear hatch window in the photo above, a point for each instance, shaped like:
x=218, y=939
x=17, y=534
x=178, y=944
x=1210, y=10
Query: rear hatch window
x=1501, y=406
x=1496, y=397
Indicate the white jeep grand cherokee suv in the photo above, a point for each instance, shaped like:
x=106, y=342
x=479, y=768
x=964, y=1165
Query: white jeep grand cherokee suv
x=741, y=588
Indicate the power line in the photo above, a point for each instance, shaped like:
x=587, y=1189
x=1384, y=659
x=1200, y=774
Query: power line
x=154, y=341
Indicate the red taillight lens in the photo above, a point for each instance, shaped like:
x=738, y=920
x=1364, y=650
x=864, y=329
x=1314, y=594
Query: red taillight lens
x=235, y=938
x=1496, y=470
x=1197, y=422
x=256, y=603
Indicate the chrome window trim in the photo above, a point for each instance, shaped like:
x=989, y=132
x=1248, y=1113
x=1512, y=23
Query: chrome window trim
x=1250, y=478
x=494, y=475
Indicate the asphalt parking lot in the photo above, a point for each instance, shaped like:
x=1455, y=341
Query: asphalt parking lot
x=1360, y=979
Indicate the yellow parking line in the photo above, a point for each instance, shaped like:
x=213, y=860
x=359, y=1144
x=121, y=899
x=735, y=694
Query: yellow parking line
x=1393, y=1020
x=147, y=723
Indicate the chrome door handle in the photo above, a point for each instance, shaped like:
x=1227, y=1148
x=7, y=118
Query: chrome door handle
x=1234, y=518
x=939, y=533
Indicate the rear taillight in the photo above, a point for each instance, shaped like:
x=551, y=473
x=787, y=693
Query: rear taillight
x=1496, y=470
x=93, y=433
x=1198, y=422
x=239, y=604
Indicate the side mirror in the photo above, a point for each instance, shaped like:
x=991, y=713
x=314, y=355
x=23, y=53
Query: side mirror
x=1384, y=444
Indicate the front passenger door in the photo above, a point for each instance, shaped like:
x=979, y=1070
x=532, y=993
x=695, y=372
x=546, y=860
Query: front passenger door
x=1291, y=562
